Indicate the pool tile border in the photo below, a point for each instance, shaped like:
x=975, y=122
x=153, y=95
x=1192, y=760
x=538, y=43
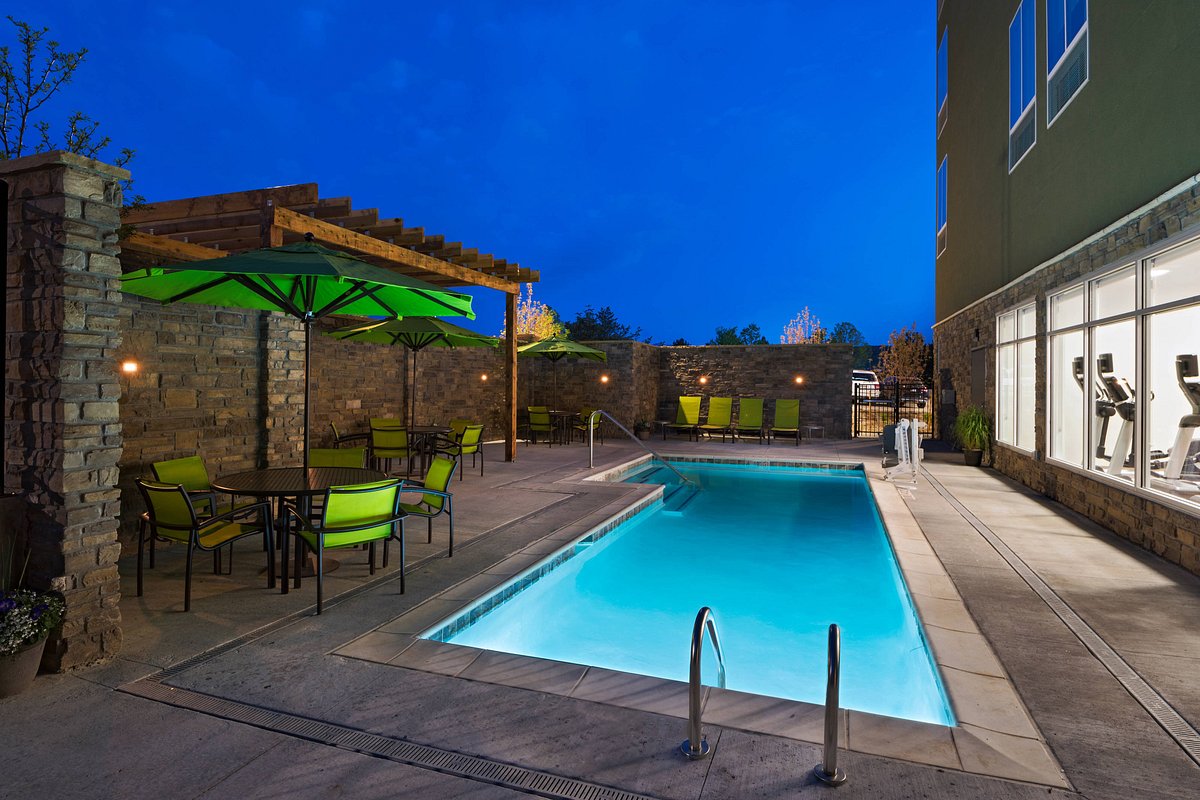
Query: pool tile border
x=995, y=734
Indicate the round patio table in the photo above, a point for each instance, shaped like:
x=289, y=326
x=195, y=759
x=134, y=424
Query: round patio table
x=281, y=482
x=424, y=441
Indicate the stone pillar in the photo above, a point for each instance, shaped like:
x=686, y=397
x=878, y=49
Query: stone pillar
x=62, y=433
x=283, y=395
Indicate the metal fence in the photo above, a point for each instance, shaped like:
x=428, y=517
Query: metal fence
x=875, y=405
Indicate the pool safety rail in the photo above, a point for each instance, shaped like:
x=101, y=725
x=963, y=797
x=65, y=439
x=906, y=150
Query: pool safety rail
x=828, y=771
x=696, y=747
x=594, y=419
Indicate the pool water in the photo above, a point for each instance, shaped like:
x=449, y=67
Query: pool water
x=777, y=553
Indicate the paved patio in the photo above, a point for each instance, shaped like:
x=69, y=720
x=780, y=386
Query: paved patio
x=240, y=696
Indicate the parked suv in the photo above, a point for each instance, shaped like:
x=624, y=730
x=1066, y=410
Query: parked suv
x=864, y=383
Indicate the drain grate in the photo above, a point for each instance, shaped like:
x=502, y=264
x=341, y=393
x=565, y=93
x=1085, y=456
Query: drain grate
x=1175, y=725
x=484, y=770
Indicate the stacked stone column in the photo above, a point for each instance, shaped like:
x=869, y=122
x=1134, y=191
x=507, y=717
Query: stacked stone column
x=62, y=431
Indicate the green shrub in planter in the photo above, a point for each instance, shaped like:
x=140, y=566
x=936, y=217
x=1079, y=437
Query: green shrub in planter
x=972, y=429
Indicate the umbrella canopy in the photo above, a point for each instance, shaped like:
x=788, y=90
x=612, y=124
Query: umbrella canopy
x=415, y=334
x=305, y=280
x=556, y=349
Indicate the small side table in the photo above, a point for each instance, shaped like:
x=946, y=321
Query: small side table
x=811, y=431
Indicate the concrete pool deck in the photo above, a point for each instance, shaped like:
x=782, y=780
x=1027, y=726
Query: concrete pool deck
x=130, y=729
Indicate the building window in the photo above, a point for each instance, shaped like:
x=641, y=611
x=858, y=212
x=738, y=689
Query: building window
x=1022, y=93
x=942, y=81
x=941, y=205
x=1124, y=362
x=1015, y=376
x=1066, y=53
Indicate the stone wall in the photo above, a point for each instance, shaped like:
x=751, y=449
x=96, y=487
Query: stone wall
x=767, y=371
x=1151, y=524
x=62, y=432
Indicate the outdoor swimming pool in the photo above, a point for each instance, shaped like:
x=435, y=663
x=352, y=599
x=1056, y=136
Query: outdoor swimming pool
x=778, y=553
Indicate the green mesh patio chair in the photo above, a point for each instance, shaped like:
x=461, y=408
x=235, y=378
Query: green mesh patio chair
x=687, y=417
x=750, y=418
x=435, y=499
x=584, y=422
x=787, y=420
x=193, y=475
x=173, y=517
x=352, y=515
x=540, y=422
x=389, y=441
x=457, y=426
x=720, y=411
x=468, y=441
x=337, y=457
x=340, y=438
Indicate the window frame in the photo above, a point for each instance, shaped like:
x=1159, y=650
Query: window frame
x=1141, y=314
x=1030, y=108
x=1015, y=342
x=942, y=205
x=943, y=79
x=1068, y=49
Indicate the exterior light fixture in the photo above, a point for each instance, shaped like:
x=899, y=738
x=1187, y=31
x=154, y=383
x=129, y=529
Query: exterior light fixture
x=604, y=379
x=129, y=367
x=703, y=379
x=483, y=377
x=799, y=379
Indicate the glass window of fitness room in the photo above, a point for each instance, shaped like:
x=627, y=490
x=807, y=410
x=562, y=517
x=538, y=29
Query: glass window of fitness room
x=1123, y=395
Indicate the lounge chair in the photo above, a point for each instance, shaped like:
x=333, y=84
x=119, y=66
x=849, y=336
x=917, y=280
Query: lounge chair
x=787, y=420
x=687, y=417
x=720, y=410
x=750, y=418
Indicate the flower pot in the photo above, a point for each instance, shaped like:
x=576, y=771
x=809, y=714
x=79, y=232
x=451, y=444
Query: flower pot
x=973, y=458
x=644, y=435
x=17, y=670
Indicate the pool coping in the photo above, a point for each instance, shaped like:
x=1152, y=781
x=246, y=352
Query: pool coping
x=994, y=735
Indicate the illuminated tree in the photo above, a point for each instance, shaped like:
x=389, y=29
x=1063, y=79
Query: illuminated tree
x=904, y=356
x=804, y=328
x=535, y=320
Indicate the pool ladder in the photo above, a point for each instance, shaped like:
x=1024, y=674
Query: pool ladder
x=696, y=746
x=593, y=419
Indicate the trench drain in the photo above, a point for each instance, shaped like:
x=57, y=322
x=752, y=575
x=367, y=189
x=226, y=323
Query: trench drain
x=484, y=770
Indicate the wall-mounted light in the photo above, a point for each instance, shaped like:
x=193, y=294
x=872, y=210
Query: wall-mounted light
x=799, y=379
x=130, y=367
x=604, y=378
x=483, y=377
x=703, y=379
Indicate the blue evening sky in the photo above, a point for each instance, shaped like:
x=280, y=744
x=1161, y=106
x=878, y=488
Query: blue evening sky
x=691, y=164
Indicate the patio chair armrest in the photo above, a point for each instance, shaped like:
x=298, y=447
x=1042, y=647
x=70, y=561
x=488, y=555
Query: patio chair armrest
x=291, y=510
x=351, y=437
x=232, y=514
x=423, y=490
x=375, y=523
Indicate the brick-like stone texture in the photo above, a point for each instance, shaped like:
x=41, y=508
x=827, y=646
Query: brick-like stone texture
x=1151, y=524
x=63, y=434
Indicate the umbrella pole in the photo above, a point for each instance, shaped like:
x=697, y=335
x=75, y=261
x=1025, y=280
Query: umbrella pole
x=307, y=361
x=412, y=416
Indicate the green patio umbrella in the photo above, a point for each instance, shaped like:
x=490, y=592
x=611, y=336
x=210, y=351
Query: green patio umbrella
x=415, y=334
x=556, y=349
x=305, y=280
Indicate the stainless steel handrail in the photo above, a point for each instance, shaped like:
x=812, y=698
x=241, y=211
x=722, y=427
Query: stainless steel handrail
x=828, y=771
x=629, y=433
x=696, y=745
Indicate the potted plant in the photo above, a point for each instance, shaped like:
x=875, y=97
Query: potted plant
x=642, y=429
x=973, y=432
x=26, y=618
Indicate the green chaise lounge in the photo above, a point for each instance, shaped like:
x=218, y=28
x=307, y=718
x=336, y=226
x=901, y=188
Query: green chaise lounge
x=750, y=418
x=687, y=417
x=787, y=420
x=720, y=412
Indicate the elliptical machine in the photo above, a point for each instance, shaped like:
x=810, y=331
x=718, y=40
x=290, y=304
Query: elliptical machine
x=1187, y=372
x=1121, y=396
x=1104, y=408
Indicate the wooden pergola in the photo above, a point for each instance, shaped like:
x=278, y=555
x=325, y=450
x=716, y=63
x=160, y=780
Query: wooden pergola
x=199, y=228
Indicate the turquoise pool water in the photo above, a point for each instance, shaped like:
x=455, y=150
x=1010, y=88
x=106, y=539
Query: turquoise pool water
x=777, y=553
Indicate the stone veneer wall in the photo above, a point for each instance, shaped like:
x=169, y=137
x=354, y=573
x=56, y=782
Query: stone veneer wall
x=1159, y=528
x=767, y=371
x=62, y=434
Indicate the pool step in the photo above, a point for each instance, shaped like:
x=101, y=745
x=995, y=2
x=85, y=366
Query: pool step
x=677, y=497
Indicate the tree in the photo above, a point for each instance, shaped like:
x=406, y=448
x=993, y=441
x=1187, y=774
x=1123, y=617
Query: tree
x=602, y=325
x=751, y=334
x=29, y=85
x=535, y=320
x=904, y=356
x=680, y=342
x=847, y=333
x=804, y=328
